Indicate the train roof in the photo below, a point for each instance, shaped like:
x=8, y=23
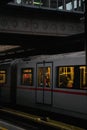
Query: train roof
x=55, y=56
x=45, y=57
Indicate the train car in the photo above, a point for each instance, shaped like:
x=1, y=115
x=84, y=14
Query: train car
x=5, y=82
x=8, y=82
x=56, y=83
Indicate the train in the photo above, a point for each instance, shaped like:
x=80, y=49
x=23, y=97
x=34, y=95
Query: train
x=55, y=83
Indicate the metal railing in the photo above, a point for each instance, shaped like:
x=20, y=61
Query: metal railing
x=66, y=5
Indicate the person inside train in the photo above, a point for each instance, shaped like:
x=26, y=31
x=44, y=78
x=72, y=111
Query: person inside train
x=70, y=84
x=65, y=82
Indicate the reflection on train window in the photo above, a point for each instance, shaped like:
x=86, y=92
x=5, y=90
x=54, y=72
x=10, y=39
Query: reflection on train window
x=2, y=76
x=83, y=77
x=66, y=77
x=44, y=76
x=27, y=76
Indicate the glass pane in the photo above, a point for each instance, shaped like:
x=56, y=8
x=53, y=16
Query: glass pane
x=83, y=77
x=47, y=77
x=40, y=77
x=44, y=77
x=27, y=77
x=66, y=77
x=2, y=76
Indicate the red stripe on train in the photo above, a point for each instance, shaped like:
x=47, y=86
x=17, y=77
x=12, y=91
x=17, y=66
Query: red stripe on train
x=53, y=90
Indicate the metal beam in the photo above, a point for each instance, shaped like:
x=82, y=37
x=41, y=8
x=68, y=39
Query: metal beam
x=57, y=25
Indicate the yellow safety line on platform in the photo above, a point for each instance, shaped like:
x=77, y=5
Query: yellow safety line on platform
x=38, y=119
x=63, y=126
x=2, y=128
x=22, y=114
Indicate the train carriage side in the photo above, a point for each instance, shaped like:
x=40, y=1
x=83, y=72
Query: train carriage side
x=5, y=69
x=70, y=85
x=32, y=89
x=26, y=78
x=39, y=83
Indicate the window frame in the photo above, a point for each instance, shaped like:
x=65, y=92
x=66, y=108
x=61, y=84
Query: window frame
x=4, y=80
x=77, y=79
x=22, y=73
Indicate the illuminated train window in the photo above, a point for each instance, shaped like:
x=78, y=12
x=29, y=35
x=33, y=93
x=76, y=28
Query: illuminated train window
x=65, y=77
x=27, y=77
x=2, y=76
x=44, y=74
x=83, y=77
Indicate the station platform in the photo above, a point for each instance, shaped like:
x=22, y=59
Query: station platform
x=7, y=126
x=35, y=119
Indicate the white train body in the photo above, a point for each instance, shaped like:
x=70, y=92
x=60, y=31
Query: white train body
x=39, y=83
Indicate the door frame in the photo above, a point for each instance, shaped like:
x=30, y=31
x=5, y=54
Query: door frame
x=42, y=90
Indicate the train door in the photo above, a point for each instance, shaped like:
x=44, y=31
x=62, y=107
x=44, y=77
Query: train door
x=44, y=83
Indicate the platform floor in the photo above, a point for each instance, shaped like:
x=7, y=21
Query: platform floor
x=7, y=126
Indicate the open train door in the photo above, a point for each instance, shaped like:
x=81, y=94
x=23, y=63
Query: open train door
x=44, y=83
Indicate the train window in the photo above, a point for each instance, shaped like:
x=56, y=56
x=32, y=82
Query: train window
x=66, y=77
x=83, y=77
x=44, y=76
x=27, y=76
x=2, y=76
